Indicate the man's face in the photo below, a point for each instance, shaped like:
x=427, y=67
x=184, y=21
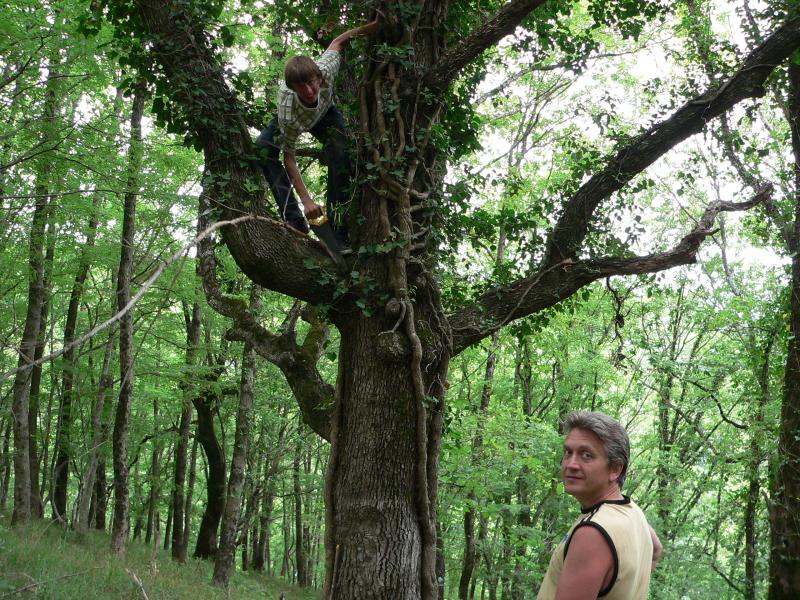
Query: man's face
x=585, y=469
x=308, y=91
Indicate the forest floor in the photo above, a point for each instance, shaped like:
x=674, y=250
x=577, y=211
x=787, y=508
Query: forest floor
x=43, y=560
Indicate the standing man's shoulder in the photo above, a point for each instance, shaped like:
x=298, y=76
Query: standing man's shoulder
x=590, y=564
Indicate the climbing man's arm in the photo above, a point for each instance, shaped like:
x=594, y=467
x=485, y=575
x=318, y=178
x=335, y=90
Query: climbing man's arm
x=312, y=209
x=343, y=39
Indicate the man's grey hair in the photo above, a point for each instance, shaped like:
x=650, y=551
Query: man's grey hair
x=611, y=433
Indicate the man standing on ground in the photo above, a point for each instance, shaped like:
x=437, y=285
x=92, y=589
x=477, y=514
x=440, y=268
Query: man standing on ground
x=305, y=103
x=611, y=549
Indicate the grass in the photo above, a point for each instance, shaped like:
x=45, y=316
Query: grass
x=42, y=560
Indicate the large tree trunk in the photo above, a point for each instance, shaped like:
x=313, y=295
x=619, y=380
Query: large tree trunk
x=121, y=523
x=224, y=562
x=784, y=575
x=382, y=471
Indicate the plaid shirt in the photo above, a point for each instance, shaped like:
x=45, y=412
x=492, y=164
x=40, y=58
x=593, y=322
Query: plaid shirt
x=294, y=118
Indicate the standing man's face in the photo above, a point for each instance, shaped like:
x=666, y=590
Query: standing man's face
x=585, y=470
x=308, y=91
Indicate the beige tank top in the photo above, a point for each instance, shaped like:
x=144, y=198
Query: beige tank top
x=625, y=528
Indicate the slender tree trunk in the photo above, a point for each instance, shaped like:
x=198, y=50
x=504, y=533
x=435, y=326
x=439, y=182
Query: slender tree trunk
x=189, y=506
x=470, y=548
x=63, y=443
x=784, y=576
x=100, y=426
x=23, y=487
x=100, y=497
x=20, y=403
x=264, y=553
x=207, y=536
x=37, y=507
x=168, y=528
x=121, y=524
x=754, y=464
x=300, y=557
x=155, y=480
x=224, y=562
x=5, y=465
x=193, y=331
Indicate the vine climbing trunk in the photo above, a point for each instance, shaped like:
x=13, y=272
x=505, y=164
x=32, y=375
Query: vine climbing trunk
x=382, y=484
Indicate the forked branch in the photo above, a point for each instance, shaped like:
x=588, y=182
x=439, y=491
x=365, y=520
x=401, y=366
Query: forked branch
x=549, y=286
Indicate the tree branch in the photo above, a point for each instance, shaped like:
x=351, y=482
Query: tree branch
x=554, y=283
x=495, y=29
x=297, y=363
x=570, y=230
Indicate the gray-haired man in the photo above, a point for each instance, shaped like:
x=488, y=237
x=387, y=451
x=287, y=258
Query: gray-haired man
x=611, y=549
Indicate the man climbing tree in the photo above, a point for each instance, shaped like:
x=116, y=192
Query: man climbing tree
x=305, y=103
x=385, y=419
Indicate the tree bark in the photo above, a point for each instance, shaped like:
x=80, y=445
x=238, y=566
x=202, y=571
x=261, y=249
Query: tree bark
x=121, y=523
x=100, y=498
x=189, y=506
x=20, y=403
x=784, y=572
x=5, y=464
x=224, y=562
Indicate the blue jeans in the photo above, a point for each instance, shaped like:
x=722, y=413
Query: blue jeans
x=330, y=130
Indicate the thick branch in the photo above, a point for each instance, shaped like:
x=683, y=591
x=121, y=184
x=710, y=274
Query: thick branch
x=495, y=29
x=269, y=252
x=297, y=363
x=554, y=283
x=568, y=234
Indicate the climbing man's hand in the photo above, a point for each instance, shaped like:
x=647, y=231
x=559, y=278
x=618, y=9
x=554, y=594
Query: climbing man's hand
x=312, y=210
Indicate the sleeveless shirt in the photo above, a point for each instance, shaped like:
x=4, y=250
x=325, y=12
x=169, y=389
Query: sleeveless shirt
x=625, y=528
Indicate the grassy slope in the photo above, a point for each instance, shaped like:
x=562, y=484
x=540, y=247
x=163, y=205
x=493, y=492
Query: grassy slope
x=51, y=563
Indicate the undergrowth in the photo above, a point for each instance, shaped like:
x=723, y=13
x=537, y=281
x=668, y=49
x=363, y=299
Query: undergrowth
x=43, y=560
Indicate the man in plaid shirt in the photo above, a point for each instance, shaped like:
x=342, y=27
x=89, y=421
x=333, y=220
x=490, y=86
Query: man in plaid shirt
x=305, y=103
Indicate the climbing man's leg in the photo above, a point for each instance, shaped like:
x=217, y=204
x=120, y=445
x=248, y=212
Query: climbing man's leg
x=278, y=179
x=330, y=130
